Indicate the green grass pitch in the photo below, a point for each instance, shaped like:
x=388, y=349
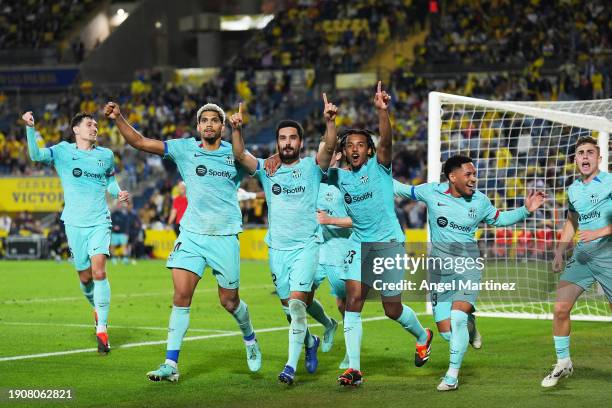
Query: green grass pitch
x=42, y=311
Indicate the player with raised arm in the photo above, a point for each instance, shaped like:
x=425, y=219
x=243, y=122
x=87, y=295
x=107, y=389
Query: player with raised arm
x=455, y=210
x=367, y=190
x=293, y=236
x=336, y=226
x=87, y=172
x=209, y=227
x=590, y=212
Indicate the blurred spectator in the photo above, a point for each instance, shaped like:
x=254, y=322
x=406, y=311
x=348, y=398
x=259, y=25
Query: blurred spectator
x=26, y=224
x=5, y=224
x=179, y=205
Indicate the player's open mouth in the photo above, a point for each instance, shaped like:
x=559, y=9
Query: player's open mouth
x=585, y=166
x=208, y=132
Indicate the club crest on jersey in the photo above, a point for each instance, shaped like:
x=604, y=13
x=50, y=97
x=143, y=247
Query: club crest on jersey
x=594, y=199
x=329, y=196
x=101, y=163
x=364, y=179
x=297, y=173
x=229, y=160
x=201, y=170
x=472, y=213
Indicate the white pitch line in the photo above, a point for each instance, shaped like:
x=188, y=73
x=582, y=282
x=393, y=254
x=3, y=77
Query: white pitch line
x=112, y=326
x=159, y=342
x=119, y=295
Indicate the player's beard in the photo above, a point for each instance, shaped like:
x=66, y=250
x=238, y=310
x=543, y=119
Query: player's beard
x=210, y=138
x=288, y=154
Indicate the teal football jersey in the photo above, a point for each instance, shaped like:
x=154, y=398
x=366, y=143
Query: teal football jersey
x=456, y=219
x=291, y=195
x=592, y=202
x=368, y=199
x=85, y=176
x=335, y=239
x=212, y=180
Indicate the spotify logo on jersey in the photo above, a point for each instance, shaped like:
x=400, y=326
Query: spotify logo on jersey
x=276, y=189
x=442, y=222
x=347, y=198
x=77, y=172
x=201, y=170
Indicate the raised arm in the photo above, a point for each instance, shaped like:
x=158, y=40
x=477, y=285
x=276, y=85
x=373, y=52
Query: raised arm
x=384, y=149
x=131, y=135
x=403, y=190
x=567, y=234
x=246, y=159
x=534, y=200
x=36, y=153
x=326, y=151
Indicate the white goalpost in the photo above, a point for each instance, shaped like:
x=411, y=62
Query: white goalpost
x=516, y=147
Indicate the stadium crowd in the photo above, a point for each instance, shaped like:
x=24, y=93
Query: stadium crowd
x=514, y=31
x=340, y=37
x=331, y=35
x=36, y=24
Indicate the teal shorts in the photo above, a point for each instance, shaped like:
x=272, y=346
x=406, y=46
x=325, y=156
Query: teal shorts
x=359, y=266
x=294, y=270
x=118, y=239
x=193, y=252
x=590, y=264
x=333, y=273
x=85, y=242
x=442, y=300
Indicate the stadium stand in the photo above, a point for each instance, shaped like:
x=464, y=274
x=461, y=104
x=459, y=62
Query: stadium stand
x=306, y=35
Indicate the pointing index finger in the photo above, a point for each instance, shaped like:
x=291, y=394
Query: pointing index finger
x=324, y=98
x=379, y=88
x=240, y=108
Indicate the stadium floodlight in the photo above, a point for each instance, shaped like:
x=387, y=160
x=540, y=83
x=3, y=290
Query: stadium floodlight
x=518, y=146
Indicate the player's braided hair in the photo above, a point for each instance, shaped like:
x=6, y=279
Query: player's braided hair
x=343, y=136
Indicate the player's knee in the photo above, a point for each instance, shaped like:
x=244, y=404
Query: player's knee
x=99, y=274
x=230, y=303
x=181, y=299
x=393, y=310
x=354, y=305
x=562, y=311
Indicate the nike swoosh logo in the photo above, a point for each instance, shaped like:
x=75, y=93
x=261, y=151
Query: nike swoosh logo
x=75, y=158
x=298, y=331
x=231, y=283
x=442, y=205
x=199, y=155
x=305, y=283
x=96, y=248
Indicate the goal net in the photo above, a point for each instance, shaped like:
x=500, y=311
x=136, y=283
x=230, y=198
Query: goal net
x=517, y=147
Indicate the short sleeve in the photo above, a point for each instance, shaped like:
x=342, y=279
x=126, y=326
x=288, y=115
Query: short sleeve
x=260, y=173
x=381, y=168
x=332, y=176
x=174, y=149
